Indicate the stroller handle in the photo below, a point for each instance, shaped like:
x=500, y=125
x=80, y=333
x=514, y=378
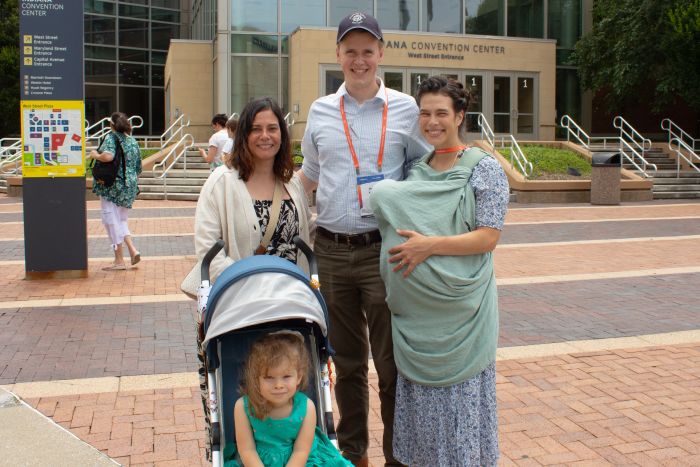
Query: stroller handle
x=213, y=251
x=310, y=257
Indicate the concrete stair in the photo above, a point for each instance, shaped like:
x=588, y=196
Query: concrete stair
x=668, y=184
x=184, y=180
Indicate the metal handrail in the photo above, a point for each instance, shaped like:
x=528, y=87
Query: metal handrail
x=517, y=155
x=289, y=119
x=633, y=136
x=572, y=129
x=679, y=154
x=487, y=132
x=180, y=123
x=10, y=155
x=184, y=144
x=136, y=121
x=15, y=143
x=682, y=135
x=624, y=147
x=581, y=136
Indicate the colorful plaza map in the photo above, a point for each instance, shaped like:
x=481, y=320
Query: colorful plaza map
x=52, y=138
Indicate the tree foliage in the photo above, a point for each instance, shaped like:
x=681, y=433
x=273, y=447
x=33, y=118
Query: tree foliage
x=9, y=68
x=636, y=44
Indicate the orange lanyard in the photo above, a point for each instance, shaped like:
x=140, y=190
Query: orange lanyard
x=380, y=156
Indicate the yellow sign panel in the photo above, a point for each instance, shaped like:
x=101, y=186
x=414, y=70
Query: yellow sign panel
x=53, y=135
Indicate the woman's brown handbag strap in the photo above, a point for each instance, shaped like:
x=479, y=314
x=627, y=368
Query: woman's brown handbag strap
x=274, y=218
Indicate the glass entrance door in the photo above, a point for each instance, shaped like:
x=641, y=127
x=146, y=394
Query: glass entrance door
x=394, y=79
x=501, y=105
x=417, y=77
x=524, y=121
x=475, y=83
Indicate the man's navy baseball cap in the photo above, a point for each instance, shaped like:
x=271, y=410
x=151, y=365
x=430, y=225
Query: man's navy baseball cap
x=358, y=20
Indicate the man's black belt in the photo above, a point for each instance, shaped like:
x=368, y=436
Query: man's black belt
x=361, y=239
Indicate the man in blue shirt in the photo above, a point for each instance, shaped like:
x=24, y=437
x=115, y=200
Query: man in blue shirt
x=361, y=134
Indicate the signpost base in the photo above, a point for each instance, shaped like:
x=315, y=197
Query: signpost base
x=55, y=228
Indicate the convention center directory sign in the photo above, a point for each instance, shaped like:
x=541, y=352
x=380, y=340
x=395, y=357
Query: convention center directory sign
x=52, y=119
x=51, y=87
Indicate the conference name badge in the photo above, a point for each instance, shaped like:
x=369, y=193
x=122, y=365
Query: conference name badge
x=364, y=189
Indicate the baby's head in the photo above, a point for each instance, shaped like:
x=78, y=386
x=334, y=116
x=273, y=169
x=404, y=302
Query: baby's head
x=272, y=358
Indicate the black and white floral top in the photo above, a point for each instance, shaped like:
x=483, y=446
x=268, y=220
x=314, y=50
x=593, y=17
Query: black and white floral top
x=287, y=227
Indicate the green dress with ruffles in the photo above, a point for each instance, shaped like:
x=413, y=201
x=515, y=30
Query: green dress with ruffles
x=274, y=439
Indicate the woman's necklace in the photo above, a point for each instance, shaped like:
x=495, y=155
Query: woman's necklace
x=458, y=149
x=452, y=149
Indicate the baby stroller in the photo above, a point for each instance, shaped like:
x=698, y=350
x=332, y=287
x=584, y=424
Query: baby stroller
x=252, y=297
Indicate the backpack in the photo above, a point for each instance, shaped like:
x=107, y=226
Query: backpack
x=106, y=173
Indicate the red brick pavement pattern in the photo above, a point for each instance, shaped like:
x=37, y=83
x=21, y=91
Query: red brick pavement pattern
x=595, y=258
x=150, y=277
x=627, y=211
x=624, y=407
x=15, y=204
x=163, y=427
x=137, y=226
x=156, y=277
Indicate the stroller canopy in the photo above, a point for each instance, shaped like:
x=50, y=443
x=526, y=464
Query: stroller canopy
x=260, y=289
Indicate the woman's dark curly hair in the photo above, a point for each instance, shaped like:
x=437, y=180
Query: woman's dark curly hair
x=243, y=160
x=461, y=98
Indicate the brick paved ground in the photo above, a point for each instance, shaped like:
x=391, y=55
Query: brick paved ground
x=55, y=343
x=630, y=406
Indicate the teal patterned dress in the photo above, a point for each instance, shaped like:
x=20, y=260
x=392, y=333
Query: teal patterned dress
x=122, y=192
x=274, y=440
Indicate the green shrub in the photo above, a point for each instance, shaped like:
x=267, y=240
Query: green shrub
x=551, y=161
x=297, y=156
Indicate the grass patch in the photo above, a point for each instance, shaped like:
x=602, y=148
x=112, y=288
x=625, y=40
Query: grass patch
x=554, y=163
x=148, y=152
x=297, y=157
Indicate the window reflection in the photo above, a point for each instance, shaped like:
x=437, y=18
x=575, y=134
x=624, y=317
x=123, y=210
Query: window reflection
x=161, y=33
x=133, y=33
x=484, y=17
x=401, y=15
x=100, y=72
x=135, y=101
x=334, y=78
x=339, y=9
x=526, y=18
x=253, y=43
x=297, y=13
x=442, y=16
x=252, y=77
x=99, y=30
x=254, y=15
x=133, y=73
x=564, y=22
x=100, y=102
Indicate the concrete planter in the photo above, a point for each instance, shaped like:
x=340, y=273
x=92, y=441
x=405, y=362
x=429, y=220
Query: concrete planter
x=633, y=187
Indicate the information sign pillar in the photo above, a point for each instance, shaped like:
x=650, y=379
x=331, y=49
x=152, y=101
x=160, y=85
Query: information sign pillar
x=52, y=113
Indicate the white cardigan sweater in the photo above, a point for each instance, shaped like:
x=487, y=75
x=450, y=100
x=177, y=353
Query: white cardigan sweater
x=225, y=210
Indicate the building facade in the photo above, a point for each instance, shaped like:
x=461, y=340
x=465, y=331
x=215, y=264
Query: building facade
x=126, y=44
x=511, y=53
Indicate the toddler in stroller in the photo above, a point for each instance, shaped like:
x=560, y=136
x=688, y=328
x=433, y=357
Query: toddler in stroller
x=275, y=422
x=257, y=300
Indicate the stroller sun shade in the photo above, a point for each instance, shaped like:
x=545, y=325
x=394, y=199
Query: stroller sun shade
x=258, y=290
